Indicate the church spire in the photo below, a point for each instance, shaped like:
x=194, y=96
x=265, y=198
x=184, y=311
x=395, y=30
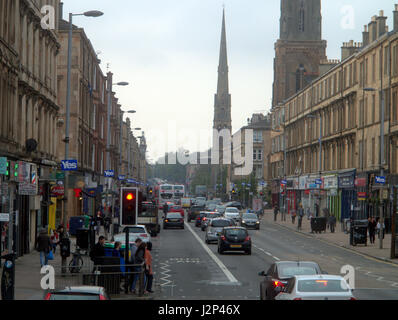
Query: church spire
x=222, y=105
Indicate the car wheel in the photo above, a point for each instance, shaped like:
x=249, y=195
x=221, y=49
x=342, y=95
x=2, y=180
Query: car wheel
x=262, y=297
x=249, y=252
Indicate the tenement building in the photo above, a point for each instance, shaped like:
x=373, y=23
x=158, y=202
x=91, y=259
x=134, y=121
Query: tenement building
x=28, y=121
x=333, y=131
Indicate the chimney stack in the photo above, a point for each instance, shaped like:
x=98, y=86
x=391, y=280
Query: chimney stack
x=395, y=12
x=365, y=36
x=381, y=24
x=350, y=48
x=61, y=11
x=372, y=26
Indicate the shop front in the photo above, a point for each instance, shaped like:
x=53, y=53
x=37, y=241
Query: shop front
x=361, y=185
x=348, y=194
x=333, y=202
x=276, y=194
x=293, y=195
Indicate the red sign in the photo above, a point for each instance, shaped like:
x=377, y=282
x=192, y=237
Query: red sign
x=57, y=191
x=361, y=195
x=360, y=182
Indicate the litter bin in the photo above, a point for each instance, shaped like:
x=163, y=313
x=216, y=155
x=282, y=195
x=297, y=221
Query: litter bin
x=359, y=232
x=82, y=238
x=75, y=223
x=318, y=225
x=110, y=277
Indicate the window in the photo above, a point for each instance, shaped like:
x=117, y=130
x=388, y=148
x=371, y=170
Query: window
x=102, y=127
x=258, y=136
x=373, y=151
x=93, y=117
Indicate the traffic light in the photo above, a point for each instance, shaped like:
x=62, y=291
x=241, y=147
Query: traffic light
x=15, y=171
x=8, y=172
x=129, y=206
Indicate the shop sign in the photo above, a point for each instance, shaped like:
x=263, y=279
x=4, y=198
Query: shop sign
x=330, y=182
x=361, y=196
x=3, y=165
x=27, y=189
x=303, y=183
x=57, y=191
x=346, y=181
x=360, y=182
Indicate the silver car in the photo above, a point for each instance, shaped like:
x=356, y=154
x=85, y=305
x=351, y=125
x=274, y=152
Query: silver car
x=137, y=231
x=316, y=287
x=215, y=228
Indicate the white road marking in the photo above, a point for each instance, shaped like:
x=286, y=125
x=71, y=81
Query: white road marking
x=267, y=253
x=227, y=273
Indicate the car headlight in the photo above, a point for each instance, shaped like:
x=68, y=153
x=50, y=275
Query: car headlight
x=258, y=222
x=243, y=221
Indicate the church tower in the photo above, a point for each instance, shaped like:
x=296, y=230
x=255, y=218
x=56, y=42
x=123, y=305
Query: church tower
x=300, y=48
x=222, y=100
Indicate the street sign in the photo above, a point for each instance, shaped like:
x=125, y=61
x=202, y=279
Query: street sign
x=380, y=180
x=60, y=175
x=284, y=182
x=69, y=165
x=109, y=173
x=4, y=217
x=318, y=182
x=122, y=178
x=3, y=165
x=130, y=181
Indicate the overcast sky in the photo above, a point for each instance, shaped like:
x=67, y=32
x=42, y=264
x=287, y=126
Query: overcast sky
x=168, y=50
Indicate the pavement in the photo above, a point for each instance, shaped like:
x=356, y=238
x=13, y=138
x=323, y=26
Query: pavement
x=339, y=238
x=28, y=277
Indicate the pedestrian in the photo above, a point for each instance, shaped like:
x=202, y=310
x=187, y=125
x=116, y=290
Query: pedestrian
x=148, y=268
x=300, y=217
x=54, y=240
x=98, y=250
x=372, y=225
x=107, y=224
x=139, y=259
x=43, y=245
x=276, y=211
x=311, y=217
x=98, y=222
x=332, y=223
x=294, y=216
x=378, y=228
x=116, y=250
x=165, y=209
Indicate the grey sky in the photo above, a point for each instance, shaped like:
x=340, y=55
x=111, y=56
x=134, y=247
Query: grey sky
x=168, y=51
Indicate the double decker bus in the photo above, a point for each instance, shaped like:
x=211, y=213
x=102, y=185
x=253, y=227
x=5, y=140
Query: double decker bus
x=166, y=194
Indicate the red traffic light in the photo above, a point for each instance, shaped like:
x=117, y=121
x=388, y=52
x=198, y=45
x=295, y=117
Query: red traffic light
x=130, y=197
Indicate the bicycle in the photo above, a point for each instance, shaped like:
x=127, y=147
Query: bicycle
x=76, y=263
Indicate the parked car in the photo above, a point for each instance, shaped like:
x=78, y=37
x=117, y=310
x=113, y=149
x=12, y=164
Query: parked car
x=78, y=293
x=137, y=231
x=177, y=209
x=279, y=274
x=208, y=217
x=232, y=213
x=250, y=220
x=173, y=220
x=318, y=287
x=215, y=228
x=194, y=212
x=234, y=239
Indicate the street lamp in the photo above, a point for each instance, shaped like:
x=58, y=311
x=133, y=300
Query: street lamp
x=92, y=14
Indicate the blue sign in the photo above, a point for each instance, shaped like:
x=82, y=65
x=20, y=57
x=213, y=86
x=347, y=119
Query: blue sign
x=380, y=180
x=318, y=182
x=69, y=165
x=130, y=181
x=284, y=182
x=122, y=178
x=3, y=165
x=109, y=173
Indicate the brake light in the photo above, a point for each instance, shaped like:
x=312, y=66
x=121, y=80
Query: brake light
x=223, y=238
x=182, y=220
x=144, y=235
x=204, y=219
x=247, y=239
x=325, y=282
x=297, y=299
x=278, y=284
x=166, y=220
x=102, y=297
x=48, y=296
x=353, y=299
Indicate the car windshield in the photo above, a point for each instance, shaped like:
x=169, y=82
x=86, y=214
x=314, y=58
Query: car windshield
x=220, y=223
x=289, y=271
x=236, y=232
x=136, y=230
x=177, y=208
x=249, y=216
x=232, y=210
x=173, y=215
x=322, y=286
x=74, y=296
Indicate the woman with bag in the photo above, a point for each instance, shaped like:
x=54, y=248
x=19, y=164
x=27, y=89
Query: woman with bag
x=148, y=268
x=43, y=245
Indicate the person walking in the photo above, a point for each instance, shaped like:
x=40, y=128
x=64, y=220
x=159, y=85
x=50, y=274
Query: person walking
x=43, y=245
x=300, y=217
x=294, y=216
x=148, y=268
x=372, y=225
x=381, y=229
x=54, y=240
x=98, y=251
x=116, y=250
x=165, y=209
x=276, y=211
x=332, y=223
x=139, y=259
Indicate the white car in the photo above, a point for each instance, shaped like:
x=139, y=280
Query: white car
x=316, y=287
x=137, y=231
x=232, y=213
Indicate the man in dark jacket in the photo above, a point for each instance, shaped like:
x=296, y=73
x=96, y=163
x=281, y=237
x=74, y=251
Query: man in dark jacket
x=43, y=245
x=165, y=208
x=276, y=210
x=98, y=250
x=139, y=259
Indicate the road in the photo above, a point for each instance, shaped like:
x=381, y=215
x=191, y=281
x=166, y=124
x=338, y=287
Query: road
x=187, y=268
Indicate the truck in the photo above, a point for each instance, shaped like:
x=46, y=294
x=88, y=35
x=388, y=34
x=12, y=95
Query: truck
x=186, y=203
x=201, y=191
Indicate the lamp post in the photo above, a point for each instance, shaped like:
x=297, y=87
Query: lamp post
x=93, y=14
x=108, y=140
